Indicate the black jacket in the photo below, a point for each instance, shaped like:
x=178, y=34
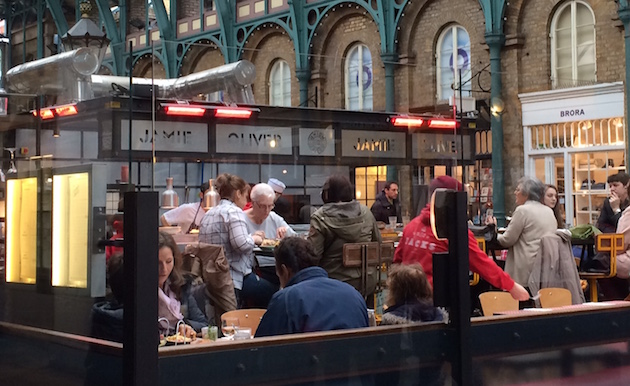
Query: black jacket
x=382, y=208
x=607, y=222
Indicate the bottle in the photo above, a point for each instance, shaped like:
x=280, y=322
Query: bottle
x=211, y=197
x=170, y=199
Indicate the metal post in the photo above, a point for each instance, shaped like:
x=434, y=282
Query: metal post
x=389, y=61
x=624, y=15
x=131, y=108
x=495, y=42
x=461, y=131
x=140, y=339
x=460, y=306
x=303, y=75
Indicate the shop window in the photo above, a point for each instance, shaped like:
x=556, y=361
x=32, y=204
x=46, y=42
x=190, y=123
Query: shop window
x=280, y=84
x=359, y=78
x=366, y=181
x=453, y=56
x=573, y=46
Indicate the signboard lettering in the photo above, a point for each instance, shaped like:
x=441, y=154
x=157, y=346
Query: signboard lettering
x=383, y=144
x=242, y=139
x=179, y=137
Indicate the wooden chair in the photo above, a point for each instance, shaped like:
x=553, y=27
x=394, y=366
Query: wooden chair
x=554, y=297
x=247, y=318
x=607, y=242
x=496, y=301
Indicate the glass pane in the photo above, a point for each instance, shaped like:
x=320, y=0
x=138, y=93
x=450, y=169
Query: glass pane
x=352, y=86
x=445, y=65
x=583, y=15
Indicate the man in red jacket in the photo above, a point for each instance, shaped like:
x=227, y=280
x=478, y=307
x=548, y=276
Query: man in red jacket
x=418, y=244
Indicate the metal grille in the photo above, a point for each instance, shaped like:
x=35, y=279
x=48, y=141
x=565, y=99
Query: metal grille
x=595, y=132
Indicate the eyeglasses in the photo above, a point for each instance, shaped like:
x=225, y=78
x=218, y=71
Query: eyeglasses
x=266, y=207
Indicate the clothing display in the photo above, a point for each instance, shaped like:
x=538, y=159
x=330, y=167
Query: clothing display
x=418, y=244
x=313, y=302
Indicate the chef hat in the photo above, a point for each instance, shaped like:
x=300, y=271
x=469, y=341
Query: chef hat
x=277, y=185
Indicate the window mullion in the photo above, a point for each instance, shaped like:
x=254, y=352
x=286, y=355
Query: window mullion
x=574, y=70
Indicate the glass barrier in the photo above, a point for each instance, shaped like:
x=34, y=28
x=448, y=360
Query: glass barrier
x=99, y=161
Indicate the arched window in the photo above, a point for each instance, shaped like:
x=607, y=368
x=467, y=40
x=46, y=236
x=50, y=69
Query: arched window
x=573, y=46
x=280, y=84
x=453, y=55
x=358, y=78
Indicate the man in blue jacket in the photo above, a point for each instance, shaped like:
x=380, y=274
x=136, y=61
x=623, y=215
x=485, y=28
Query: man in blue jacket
x=310, y=300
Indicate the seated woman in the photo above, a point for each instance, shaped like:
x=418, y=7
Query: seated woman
x=342, y=220
x=531, y=220
x=175, y=299
x=226, y=225
x=260, y=218
x=410, y=298
x=550, y=199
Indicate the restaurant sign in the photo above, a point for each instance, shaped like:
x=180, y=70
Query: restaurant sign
x=367, y=144
x=181, y=137
x=317, y=142
x=241, y=139
x=439, y=146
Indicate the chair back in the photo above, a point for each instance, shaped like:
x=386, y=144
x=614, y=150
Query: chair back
x=247, y=318
x=555, y=297
x=496, y=301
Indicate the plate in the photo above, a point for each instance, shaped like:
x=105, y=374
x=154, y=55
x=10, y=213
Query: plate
x=177, y=339
x=267, y=248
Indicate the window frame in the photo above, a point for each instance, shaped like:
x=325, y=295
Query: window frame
x=346, y=78
x=572, y=5
x=466, y=91
x=285, y=76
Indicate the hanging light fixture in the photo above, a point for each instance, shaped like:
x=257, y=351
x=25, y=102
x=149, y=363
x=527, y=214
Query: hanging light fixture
x=170, y=199
x=211, y=197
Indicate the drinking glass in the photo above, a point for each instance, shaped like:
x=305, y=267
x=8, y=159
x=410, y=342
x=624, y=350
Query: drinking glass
x=229, y=325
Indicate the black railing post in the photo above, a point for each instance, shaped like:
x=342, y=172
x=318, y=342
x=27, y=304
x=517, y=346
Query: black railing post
x=140, y=339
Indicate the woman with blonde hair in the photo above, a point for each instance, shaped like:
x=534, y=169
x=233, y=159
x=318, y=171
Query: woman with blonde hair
x=410, y=297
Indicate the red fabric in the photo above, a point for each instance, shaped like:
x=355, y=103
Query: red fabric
x=418, y=244
x=248, y=205
x=118, y=228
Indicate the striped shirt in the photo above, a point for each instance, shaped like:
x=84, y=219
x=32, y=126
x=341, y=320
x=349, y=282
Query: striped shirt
x=225, y=225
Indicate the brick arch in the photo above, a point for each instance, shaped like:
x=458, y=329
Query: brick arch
x=148, y=66
x=201, y=55
x=421, y=32
x=264, y=48
x=335, y=36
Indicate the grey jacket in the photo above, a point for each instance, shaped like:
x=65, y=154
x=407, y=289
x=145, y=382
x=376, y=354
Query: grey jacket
x=555, y=266
x=335, y=224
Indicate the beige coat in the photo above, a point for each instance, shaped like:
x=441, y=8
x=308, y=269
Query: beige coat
x=530, y=222
x=623, y=258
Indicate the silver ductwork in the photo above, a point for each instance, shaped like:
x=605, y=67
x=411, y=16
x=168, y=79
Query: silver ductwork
x=66, y=75
x=69, y=76
x=233, y=79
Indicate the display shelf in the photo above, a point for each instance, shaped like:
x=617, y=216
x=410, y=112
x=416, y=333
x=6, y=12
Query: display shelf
x=593, y=169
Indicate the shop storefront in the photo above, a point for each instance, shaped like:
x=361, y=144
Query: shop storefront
x=575, y=139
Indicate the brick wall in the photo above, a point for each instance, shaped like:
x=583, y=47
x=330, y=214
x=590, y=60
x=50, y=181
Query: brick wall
x=263, y=48
x=338, y=33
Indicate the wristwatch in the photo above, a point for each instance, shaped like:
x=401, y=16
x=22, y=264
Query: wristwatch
x=618, y=210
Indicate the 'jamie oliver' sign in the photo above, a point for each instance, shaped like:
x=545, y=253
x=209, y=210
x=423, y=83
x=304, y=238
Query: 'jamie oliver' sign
x=384, y=144
x=240, y=139
x=169, y=136
x=317, y=142
x=439, y=146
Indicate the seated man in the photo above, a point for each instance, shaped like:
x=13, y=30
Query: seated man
x=309, y=300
